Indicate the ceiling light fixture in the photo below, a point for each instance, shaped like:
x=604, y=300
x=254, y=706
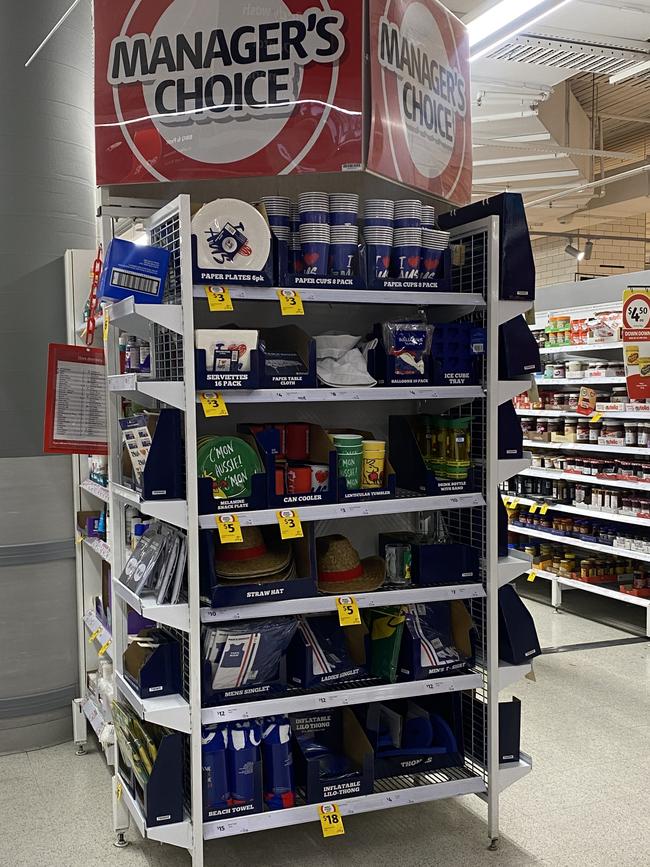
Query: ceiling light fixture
x=573, y=251
x=629, y=71
x=589, y=249
x=505, y=20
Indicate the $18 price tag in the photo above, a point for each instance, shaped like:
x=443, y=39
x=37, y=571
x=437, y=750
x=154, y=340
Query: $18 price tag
x=331, y=820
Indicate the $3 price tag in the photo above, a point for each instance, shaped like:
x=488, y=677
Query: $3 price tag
x=213, y=404
x=348, y=611
x=331, y=820
x=532, y=575
x=290, y=303
x=290, y=526
x=218, y=298
x=229, y=528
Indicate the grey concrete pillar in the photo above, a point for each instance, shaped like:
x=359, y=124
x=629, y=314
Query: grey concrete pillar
x=46, y=207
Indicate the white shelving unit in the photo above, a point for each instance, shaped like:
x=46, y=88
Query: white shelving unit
x=470, y=518
x=612, y=349
x=92, y=554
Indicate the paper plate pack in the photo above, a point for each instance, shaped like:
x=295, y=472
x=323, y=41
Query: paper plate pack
x=231, y=235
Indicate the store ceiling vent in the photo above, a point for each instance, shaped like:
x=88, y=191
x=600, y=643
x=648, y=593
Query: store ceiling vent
x=562, y=54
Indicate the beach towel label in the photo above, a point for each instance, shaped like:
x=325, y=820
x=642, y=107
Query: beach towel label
x=213, y=404
x=348, y=611
x=229, y=529
x=218, y=298
x=331, y=820
x=290, y=302
x=290, y=526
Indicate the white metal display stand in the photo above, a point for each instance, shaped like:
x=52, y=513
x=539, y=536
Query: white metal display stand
x=614, y=351
x=470, y=518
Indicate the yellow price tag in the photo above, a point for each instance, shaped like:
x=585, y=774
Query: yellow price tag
x=331, y=820
x=213, y=404
x=348, y=611
x=290, y=526
x=229, y=528
x=118, y=791
x=532, y=576
x=290, y=302
x=93, y=635
x=534, y=508
x=544, y=509
x=514, y=502
x=102, y=650
x=218, y=298
x=107, y=321
x=596, y=417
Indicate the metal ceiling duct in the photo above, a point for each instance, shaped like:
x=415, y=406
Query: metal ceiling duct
x=46, y=206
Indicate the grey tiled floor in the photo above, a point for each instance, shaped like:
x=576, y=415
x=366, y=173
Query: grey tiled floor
x=586, y=723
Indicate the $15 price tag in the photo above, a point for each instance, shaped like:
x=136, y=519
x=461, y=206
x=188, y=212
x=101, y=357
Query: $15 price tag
x=348, y=611
x=331, y=821
x=229, y=528
x=290, y=526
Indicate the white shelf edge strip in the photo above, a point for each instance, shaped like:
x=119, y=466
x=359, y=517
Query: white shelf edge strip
x=178, y=834
x=598, y=589
x=508, y=310
x=578, y=348
x=509, y=389
x=93, y=623
x=587, y=380
x=616, y=517
x=560, y=413
x=511, y=674
x=170, y=710
x=125, y=313
x=177, y=616
x=357, y=296
x=538, y=473
x=95, y=489
x=509, y=467
x=170, y=392
x=327, y=395
x=315, y=604
x=511, y=772
x=349, y=807
x=512, y=566
x=93, y=714
x=339, y=698
x=590, y=447
x=99, y=546
x=397, y=506
x=172, y=511
x=578, y=543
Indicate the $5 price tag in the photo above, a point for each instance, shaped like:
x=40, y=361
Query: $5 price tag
x=331, y=821
x=348, y=611
x=229, y=528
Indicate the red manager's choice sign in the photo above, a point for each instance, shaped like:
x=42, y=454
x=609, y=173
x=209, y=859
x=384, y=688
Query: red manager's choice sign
x=421, y=120
x=195, y=89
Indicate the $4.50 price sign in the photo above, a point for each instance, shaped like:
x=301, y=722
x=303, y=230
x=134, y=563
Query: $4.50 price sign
x=636, y=341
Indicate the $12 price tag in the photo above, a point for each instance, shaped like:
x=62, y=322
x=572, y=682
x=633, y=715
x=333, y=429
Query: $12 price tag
x=213, y=404
x=290, y=303
x=331, y=821
x=348, y=611
x=229, y=528
x=290, y=526
x=218, y=298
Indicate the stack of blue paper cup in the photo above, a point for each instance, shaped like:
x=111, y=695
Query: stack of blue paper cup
x=315, y=232
x=407, y=246
x=428, y=217
x=344, y=209
x=296, y=263
x=378, y=222
x=278, y=210
x=433, y=243
x=408, y=214
x=344, y=233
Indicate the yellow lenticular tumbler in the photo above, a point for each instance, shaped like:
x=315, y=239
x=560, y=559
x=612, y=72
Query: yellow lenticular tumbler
x=374, y=463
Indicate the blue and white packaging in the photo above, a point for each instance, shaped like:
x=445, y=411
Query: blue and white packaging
x=133, y=271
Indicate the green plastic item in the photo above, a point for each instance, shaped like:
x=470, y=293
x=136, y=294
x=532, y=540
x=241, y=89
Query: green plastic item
x=385, y=627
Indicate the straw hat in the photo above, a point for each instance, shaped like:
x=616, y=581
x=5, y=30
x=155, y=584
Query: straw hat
x=252, y=558
x=340, y=570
